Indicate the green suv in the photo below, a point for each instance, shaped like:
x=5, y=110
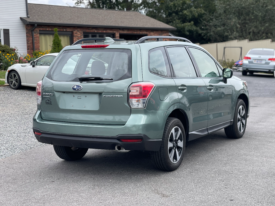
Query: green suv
x=146, y=95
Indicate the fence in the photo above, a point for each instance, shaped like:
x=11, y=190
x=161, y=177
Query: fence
x=217, y=49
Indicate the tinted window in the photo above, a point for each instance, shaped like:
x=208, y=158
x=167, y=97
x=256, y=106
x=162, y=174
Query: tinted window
x=105, y=63
x=205, y=63
x=158, y=63
x=181, y=62
x=45, y=61
x=261, y=52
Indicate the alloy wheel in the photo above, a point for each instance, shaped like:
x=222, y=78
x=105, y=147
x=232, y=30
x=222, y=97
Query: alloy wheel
x=241, y=119
x=13, y=80
x=175, y=144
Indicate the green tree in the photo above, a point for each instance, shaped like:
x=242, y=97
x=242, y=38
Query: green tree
x=185, y=15
x=56, y=46
x=250, y=19
x=127, y=5
x=182, y=14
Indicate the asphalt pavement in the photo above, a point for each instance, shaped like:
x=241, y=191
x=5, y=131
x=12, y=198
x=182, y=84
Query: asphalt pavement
x=215, y=170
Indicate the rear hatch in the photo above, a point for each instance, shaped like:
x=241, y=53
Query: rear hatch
x=260, y=56
x=88, y=86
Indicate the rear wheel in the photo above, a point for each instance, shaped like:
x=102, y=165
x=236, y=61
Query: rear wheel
x=237, y=129
x=14, y=80
x=70, y=153
x=170, y=155
x=244, y=73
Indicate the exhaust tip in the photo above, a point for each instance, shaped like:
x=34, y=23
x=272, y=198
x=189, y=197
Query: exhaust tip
x=119, y=148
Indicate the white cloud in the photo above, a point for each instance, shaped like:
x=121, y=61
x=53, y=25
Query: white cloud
x=54, y=2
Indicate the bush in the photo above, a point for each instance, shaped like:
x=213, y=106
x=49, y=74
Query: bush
x=56, y=46
x=6, y=60
x=7, y=56
x=36, y=54
x=4, y=49
x=227, y=63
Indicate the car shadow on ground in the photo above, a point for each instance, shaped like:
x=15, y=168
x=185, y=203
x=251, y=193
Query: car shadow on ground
x=23, y=88
x=260, y=75
x=112, y=164
x=28, y=88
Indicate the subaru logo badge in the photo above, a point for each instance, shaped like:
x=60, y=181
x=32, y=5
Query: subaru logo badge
x=77, y=87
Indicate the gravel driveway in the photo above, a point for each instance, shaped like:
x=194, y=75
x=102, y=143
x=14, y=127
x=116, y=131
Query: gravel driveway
x=17, y=108
x=215, y=170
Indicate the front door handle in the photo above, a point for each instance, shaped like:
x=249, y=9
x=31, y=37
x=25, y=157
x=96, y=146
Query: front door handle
x=210, y=88
x=182, y=88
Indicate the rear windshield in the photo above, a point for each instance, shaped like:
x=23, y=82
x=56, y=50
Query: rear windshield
x=105, y=63
x=262, y=52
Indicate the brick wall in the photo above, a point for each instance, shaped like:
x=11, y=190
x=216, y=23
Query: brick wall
x=78, y=33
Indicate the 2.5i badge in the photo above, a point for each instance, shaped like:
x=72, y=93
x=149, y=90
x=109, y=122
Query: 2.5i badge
x=48, y=94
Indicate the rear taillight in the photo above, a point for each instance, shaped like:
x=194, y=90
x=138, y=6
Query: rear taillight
x=38, y=91
x=246, y=58
x=38, y=133
x=139, y=93
x=94, y=46
x=271, y=59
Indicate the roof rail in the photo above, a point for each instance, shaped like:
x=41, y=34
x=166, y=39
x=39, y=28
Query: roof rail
x=159, y=38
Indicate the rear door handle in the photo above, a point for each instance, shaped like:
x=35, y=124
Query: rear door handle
x=182, y=88
x=210, y=88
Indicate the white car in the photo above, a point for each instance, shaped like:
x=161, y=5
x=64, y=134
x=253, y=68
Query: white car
x=29, y=74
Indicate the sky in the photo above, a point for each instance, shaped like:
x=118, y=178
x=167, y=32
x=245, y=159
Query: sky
x=54, y=2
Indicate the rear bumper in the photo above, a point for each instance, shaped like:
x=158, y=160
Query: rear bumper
x=95, y=142
x=259, y=68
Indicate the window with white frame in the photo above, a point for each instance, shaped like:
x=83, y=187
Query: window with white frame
x=1, y=36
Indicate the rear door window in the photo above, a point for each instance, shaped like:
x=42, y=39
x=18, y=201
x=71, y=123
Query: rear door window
x=261, y=52
x=205, y=63
x=181, y=62
x=158, y=63
x=105, y=63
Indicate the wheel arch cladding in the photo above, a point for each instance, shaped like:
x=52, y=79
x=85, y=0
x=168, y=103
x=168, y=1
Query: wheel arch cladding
x=245, y=99
x=182, y=116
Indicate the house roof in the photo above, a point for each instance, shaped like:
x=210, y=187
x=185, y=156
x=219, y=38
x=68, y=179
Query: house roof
x=83, y=17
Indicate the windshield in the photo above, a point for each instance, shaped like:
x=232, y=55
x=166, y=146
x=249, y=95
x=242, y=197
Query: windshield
x=106, y=63
x=262, y=52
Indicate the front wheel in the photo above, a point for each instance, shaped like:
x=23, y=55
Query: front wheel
x=70, y=153
x=237, y=129
x=170, y=155
x=14, y=80
x=251, y=73
x=244, y=73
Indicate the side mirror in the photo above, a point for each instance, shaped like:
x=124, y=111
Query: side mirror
x=33, y=63
x=226, y=74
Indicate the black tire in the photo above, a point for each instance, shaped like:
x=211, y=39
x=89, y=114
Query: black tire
x=244, y=73
x=237, y=129
x=69, y=153
x=14, y=80
x=161, y=159
x=251, y=73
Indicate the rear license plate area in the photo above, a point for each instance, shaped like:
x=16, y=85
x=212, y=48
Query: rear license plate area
x=258, y=61
x=78, y=101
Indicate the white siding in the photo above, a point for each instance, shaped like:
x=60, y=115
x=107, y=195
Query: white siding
x=10, y=13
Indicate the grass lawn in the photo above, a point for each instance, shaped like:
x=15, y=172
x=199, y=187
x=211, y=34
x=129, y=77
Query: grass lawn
x=2, y=83
x=2, y=74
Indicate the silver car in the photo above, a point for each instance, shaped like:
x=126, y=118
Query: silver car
x=259, y=60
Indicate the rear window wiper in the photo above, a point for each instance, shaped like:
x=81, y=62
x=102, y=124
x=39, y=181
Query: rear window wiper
x=89, y=78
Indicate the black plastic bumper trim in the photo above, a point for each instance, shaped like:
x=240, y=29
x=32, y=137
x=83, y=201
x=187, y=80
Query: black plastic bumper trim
x=96, y=142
